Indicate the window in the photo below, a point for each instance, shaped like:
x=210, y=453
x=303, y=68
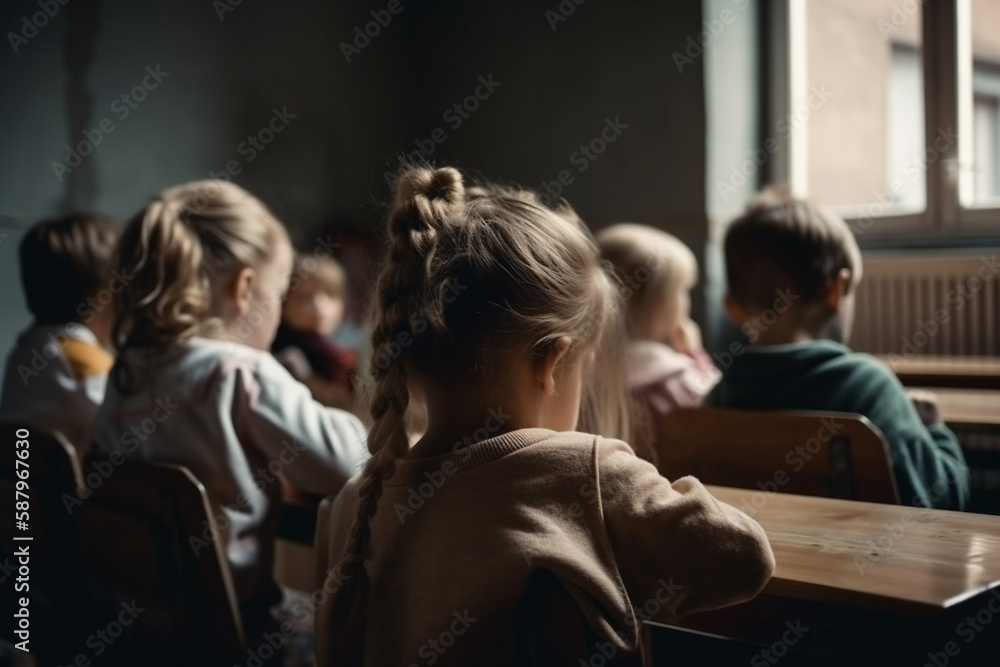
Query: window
x=985, y=113
x=904, y=140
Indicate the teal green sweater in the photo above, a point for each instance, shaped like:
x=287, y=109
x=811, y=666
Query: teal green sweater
x=824, y=375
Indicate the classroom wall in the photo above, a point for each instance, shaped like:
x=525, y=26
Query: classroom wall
x=562, y=80
x=220, y=78
x=559, y=74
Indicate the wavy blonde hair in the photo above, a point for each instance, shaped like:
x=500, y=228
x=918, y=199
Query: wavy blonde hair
x=653, y=266
x=177, y=254
x=531, y=276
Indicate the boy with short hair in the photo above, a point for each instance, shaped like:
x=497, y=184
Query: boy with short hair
x=790, y=252
x=57, y=372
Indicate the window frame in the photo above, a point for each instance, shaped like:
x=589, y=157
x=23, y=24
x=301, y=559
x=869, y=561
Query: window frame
x=946, y=54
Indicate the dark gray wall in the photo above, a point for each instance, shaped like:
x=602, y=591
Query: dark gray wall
x=557, y=88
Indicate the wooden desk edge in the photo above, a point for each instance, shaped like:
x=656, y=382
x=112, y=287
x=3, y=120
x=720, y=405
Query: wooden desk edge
x=828, y=594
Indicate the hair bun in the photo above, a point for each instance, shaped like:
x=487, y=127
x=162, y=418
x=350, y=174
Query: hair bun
x=426, y=200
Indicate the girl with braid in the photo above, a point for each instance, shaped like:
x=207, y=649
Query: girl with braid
x=496, y=312
x=207, y=265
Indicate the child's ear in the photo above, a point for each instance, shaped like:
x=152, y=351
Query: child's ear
x=241, y=289
x=838, y=289
x=734, y=311
x=545, y=366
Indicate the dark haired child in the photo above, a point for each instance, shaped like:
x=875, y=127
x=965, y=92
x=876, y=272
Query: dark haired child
x=793, y=270
x=57, y=372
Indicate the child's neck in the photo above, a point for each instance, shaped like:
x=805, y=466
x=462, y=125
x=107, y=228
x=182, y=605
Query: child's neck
x=467, y=414
x=786, y=333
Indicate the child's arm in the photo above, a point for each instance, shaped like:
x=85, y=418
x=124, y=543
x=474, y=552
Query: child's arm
x=316, y=448
x=927, y=461
x=686, y=338
x=926, y=404
x=701, y=375
x=677, y=536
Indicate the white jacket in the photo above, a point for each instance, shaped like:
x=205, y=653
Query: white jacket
x=41, y=390
x=237, y=419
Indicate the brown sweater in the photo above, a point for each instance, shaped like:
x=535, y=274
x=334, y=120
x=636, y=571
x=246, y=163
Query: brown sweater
x=456, y=537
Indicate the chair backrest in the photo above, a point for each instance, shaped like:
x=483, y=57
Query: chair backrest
x=828, y=454
x=50, y=476
x=147, y=535
x=50, y=470
x=321, y=547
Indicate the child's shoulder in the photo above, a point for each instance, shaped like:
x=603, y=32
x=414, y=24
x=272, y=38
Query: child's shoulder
x=200, y=358
x=211, y=348
x=867, y=366
x=74, y=344
x=594, y=450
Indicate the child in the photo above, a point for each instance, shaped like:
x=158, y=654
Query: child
x=666, y=366
x=57, y=372
x=492, y=309
x=194, y=385
x=793, y=270
x=312, y=311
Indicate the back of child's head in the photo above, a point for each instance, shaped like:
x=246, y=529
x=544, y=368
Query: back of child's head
x=785, y=243
x=469, y=280
x=654, y=268
x=181, y=251
x=473, y=279
x=317, y=295
x=65, y=261
x=324, y=272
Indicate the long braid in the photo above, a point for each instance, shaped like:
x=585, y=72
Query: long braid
x=424, y=202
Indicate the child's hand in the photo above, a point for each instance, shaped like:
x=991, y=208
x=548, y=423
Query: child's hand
x=686, y=337
x=926, y=404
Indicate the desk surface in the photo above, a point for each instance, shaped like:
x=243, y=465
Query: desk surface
x=881, y=557
x=969, y=406
x=957, y=372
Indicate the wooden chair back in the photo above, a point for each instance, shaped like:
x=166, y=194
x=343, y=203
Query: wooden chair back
x=828, y=454
x=148, y=535
x=321, y=547
x=51, y=478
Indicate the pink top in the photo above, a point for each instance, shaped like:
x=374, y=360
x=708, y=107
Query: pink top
x=660, y=379
x=663, y=378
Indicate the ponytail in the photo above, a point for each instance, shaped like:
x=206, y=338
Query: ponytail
x=176, y=253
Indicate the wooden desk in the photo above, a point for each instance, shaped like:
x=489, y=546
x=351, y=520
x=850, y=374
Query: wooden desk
x=954, y=372
x=876, y=584
x=972, y=407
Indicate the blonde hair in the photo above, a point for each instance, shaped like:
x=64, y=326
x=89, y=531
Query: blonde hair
x=653, y=267
x=178, y=252
x=524, y=276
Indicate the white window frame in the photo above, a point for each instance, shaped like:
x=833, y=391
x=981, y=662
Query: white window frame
x=947, y=69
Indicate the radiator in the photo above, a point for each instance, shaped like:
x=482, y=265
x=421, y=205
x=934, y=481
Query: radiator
x=936, y=303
